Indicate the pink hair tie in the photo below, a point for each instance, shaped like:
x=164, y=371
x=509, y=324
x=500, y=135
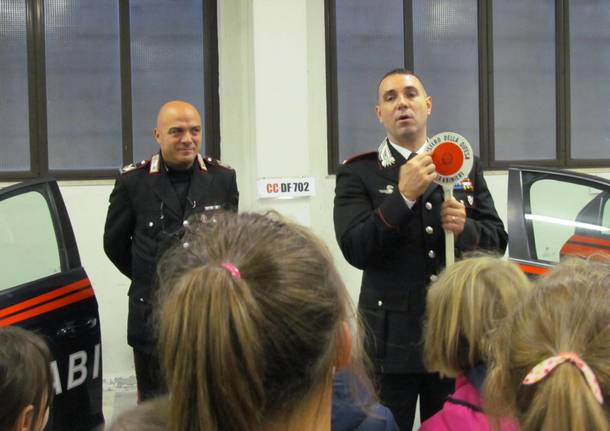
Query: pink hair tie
x=232, y=269
x=544, y=368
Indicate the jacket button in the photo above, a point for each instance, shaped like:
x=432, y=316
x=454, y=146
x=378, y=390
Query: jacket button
x=428, y=206
x=380, y=303
x=431, y=254
x=141, y=299
x=150, y=224
x=433, y=277
x=185, y=223
x=429, y=230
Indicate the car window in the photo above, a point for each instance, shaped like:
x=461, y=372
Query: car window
x=606, y=218
x=559, y=209
x=28, y=244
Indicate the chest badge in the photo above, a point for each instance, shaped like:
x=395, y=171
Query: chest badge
x=470, y=199
x=389, y=189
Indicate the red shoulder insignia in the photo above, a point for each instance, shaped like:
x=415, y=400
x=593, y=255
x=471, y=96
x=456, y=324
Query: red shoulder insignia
x=360, y=156
x=134, y=166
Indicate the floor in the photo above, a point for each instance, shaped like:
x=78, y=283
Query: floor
x=119, y=395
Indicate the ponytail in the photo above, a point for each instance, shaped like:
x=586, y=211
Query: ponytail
x=212, y=352
x=562, y=400
x=250, y=308
x=551, y=357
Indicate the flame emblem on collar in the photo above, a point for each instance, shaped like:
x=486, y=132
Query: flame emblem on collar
x=385, y=156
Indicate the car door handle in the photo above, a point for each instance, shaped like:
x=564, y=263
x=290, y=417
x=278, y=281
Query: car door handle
x=76, y=327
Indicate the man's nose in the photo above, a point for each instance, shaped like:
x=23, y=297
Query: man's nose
x=402, y=101
x=187, y=137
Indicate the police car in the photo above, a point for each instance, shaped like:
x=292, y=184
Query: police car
x=554, y=213
x=44, y=288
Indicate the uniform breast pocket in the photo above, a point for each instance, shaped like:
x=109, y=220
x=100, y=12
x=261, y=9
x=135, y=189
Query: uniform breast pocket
x=205, y=212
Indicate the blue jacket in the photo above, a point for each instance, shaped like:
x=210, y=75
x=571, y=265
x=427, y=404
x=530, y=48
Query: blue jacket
x=347, y=416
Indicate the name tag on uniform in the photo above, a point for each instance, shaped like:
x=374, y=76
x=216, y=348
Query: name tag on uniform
x=212, y=207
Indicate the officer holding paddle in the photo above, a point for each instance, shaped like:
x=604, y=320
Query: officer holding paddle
x=390, y=221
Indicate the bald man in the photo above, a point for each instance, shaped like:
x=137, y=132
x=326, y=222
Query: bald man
x=149, y=206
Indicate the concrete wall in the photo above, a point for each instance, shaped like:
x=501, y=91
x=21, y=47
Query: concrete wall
x=273, y=123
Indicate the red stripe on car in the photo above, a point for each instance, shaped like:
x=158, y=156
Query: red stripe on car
x=590, y=240
x=529, y=269
x=49, y=306
x=77, y=285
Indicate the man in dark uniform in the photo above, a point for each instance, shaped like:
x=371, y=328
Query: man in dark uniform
x=149, y=206
x=389, y=218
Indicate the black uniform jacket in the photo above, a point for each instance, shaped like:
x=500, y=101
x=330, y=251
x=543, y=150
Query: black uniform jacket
x=401, y=250
x=145, y=216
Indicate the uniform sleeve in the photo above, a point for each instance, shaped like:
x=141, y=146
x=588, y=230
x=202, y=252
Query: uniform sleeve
x=483, y=229
x=365, y=233
x=119, y=228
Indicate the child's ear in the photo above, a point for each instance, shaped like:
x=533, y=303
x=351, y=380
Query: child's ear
x=25, y=419
x=344, y=345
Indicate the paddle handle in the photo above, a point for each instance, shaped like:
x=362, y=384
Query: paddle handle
x=449, y=240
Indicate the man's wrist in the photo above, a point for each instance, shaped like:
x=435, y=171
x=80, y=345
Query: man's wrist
x=408, y=201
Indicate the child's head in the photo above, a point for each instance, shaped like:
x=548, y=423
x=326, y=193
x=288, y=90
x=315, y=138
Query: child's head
x=26, y=383
x=252, y=322
x=566, y=316
x=464, y=307
x=147, y=416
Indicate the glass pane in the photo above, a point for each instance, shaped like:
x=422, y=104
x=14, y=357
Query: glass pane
x=606, y=218
x=83, y=84
x=589, y=71
x=28, y=245
x=524, y=79
x=370, y=42
x=166, y=62
x=445, y=41
x=568, y=225
x=15, y=142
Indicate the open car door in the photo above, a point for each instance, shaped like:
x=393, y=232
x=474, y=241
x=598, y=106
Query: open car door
x=554, y=213
x=44, y=288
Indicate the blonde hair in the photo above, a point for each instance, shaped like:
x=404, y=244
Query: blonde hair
x=567, y=311
x=464, y=307
x=242, y=350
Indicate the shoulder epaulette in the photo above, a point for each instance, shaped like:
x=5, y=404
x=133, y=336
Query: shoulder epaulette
x=214, y=162
x=360, y=156
x=134, y=166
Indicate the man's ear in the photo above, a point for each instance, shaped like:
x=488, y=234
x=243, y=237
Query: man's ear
x=156, y=134
x=25, y=419
x=429, y=104
x=378, y=113
x=344, y=345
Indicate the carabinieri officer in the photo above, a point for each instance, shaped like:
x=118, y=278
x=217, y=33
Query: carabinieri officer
x=149, y=205
x=389, y=218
